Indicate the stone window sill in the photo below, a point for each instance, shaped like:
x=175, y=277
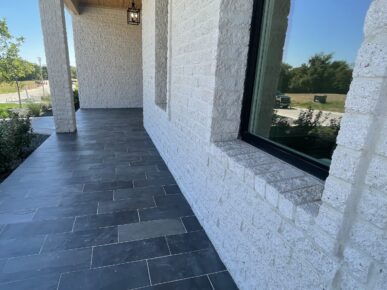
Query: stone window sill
x=284, y=186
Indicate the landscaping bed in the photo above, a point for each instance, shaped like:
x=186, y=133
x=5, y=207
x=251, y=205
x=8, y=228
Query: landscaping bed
x=17, y=142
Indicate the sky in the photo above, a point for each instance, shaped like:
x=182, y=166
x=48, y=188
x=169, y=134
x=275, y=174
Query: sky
x=315, y=26
x=328, y=26
x=23, y=19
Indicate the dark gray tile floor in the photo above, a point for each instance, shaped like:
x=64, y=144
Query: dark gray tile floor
x=99, y=210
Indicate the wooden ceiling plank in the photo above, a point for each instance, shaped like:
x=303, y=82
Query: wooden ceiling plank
x=73, y=6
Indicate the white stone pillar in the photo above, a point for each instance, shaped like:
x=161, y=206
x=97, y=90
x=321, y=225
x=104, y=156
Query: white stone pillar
x=57, y=57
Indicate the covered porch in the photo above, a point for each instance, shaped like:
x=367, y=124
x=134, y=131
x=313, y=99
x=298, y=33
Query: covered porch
x=99, y=209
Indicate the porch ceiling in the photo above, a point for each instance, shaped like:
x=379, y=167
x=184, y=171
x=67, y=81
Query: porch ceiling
x=74, y=5
x=122, y=4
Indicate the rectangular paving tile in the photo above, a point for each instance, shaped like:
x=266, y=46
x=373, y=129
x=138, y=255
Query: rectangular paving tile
x=126, y=204
x=198, y=283
x=65, y=211
x=191, y=224
x=130, y=251
x=171, y=200
x=125, y=276
x=172, y=189
x=164, y=213
x=45, y=282
x=85, y=197
x=101, y=186
x=150, y=229
x=188, y=242
x=56, y=262
x=17, y=216
x=105, y=220
x=223, y=280
x=80, y=239
x=20, y=247
x=186, y=265
x=153, y=182
x=19, y=230
x=138, y=192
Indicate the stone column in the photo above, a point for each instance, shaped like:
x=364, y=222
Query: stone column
x=57, y=57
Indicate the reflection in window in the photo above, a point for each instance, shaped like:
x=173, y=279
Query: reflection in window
x=303, y=73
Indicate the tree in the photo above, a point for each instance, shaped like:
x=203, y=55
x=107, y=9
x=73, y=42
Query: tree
x=12, y=67
x=321, y=74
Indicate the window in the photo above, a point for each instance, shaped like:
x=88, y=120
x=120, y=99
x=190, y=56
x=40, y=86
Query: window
x=161, y=52
x=300, y=68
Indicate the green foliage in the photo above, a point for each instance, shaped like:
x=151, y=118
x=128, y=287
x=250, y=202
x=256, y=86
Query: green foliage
x=76, y=99
x=320, y=75
x=12, y=66
x=15, y=139
x=5, y=110
x=34, y=109
x=311, y=133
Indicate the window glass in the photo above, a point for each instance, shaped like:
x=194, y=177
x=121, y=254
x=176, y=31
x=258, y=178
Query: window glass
x=304, y=66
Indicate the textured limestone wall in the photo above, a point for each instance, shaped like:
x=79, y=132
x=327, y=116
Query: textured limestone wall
x=161, y=51
x=267, y=219
x=109, y=59
x=57, y=57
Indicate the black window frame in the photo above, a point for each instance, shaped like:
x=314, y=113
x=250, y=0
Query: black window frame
x=300, y=161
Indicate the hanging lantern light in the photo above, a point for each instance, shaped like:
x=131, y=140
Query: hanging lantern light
x=133, y=14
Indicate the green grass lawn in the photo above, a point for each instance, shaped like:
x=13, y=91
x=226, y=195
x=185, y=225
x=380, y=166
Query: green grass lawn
x=335, y=102
x=4, y=109
x=11, y=88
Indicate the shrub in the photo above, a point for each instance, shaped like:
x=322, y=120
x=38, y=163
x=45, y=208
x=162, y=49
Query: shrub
x=15, y=140
x=76, y=99
x=34, y=109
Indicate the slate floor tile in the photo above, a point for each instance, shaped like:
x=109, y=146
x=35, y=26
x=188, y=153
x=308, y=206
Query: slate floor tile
x=188, y=242
x=164, y=213
x=125, y=276
x=65, y=211
x=172, y=189
x=150, y=229
x=130, y=251
x=46, y=282
x=56, y=262
x=171, y=200
x=138, y=192
x=223, y=280
x=17, y=216
x=80, y=239
x=20, y=247
x=105, y=220
x=197, y=283
x=86, y=197
x=109, y=163
x=186, y=265
x=101, y=186
x=126, y=204
x=153, y=182
x=191, y=223
x=37, y=228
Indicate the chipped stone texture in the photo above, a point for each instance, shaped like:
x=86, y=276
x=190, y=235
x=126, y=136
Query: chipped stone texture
x=373, y=207
x=161, y=51
x=57, y=58
x=354, y=130
x=109, y=62
x=358, y=263
x=377, y=174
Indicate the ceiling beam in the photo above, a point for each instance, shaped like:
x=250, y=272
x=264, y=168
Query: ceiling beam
x=73, y=6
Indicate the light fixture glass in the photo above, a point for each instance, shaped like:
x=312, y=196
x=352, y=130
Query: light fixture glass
x=133, y=14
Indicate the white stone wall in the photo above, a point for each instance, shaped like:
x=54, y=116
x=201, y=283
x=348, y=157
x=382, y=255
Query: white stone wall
x=266, y=218
x=109, y=59
x=57, y=57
